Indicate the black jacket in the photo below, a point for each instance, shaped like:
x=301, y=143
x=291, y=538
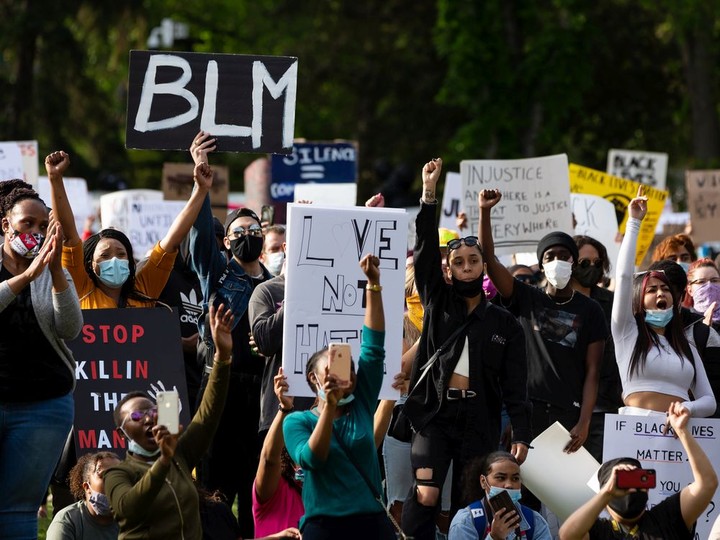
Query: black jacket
x=498, y=364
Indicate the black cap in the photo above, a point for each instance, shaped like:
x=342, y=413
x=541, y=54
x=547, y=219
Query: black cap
x=240, y=212
x=557, y=238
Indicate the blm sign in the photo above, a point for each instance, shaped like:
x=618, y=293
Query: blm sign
x=246, y=102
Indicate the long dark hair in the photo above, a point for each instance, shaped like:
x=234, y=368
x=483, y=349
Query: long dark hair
x=128, y=290
x=647, y=337
x=481, y=465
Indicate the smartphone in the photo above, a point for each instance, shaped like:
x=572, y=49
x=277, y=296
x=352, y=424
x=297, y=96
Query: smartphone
x=635, y=478
x=503, y=500
x=339, y=360
x=168, y=408
x=267, y=214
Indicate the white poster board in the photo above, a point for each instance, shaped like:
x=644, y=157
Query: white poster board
x=344, y=194
x=29, y=153
x=645, y=439
x=115, y=206
x=325, y=286
x=649, y=168
x=11, y=161
x=596, y=217
x=535, y=199
x=451, y=203
x=148, y=222
x=77, y=195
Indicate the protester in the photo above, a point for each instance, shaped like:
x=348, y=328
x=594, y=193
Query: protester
x=657, y=365
x=277, y=490
x=454, y=403
x=673, y=518
x=565, y=332
x=273, y=254
x=525, y=274
x=39, y=310
x=233, y=457
x=91, y=516
x=103, y=267
x=593, y=265
x=703, y=290
x=485, y=477
x=678, y=248
x=151, y=492
x=334, y=444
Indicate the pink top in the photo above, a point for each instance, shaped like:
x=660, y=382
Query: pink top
x=284, y=509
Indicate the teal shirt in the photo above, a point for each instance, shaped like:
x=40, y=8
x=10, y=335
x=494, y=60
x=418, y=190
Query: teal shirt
x=334, y=487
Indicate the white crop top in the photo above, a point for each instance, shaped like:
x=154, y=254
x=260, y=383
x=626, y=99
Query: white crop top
x=463, y=365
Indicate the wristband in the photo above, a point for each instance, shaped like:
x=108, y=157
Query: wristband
x=284, y=410
x=374, y=287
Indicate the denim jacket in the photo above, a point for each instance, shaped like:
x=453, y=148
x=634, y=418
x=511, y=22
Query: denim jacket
x=221, y=282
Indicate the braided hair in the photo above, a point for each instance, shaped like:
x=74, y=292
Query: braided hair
x=13, y=192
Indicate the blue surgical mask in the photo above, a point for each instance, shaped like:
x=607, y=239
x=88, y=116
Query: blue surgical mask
x=114, y=273
x=342, y=401
x=685, y=266
x=99, y=503
x=515, y=494
x=659, y=318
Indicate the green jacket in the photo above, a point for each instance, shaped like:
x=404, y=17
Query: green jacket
x=154, y=501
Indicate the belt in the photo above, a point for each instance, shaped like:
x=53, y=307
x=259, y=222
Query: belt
x=458, y=393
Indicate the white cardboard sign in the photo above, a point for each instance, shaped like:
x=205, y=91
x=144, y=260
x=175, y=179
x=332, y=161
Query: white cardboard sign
x=649, y=168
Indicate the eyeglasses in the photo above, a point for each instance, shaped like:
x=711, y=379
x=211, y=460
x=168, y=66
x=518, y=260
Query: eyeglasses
x=527, y=278
x=703, y=281
x=253, y=230
x=469, y=241
x=140, y=414
x=586, y=263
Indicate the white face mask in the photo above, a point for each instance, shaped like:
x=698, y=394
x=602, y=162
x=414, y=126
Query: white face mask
x=274, y=262
x=558, y=273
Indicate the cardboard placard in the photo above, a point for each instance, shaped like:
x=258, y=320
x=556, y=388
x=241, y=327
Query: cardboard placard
x=178, y=183
x=451, y=203
x=115, y=207
x=703, y=200
x=246, y=102
x=325, y=286
x=649, y=168
x=149, y=222
x=11, y=161
x=77, y=195
x=595, y=217
x=329, y=194
x=117, y=352
x=620, y=191
x=535, y=199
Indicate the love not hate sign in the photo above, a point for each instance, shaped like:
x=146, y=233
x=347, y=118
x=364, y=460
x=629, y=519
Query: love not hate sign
x=246, y=102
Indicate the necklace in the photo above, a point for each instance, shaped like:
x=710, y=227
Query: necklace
x=558, y=302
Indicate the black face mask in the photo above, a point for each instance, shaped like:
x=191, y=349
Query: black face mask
x=587, y=277
x=468, y=289
x=247, y=248
x=631, y=505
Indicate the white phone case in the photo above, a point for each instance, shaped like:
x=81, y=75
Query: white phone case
x=168, y=410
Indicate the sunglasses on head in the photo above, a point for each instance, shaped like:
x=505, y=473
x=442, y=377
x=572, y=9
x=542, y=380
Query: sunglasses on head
x=469, y=241
x=140, y=414
x=586, y=263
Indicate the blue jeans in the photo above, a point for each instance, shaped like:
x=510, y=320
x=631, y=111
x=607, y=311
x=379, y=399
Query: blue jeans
x=32, y=436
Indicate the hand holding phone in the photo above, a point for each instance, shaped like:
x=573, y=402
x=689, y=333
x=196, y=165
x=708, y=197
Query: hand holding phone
x=339, y=360
x=168, y=410
x=635, y=478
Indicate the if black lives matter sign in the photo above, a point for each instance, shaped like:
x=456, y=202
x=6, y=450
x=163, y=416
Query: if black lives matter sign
x=246, y=102
x=119, y=351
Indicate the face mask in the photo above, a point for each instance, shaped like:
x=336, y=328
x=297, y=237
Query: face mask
x=558, y=273
x=685, y=266
x=659, y=318
x=114, y=273
x=515, y=494
x=587, y=277
x=99, y=503
x=631, y=505
x=135, y=448
x=342, y=401
x=299, y=475
x=704, y=296
x=274, y=262
x=468, y=289
x=26, y=244
x=489, y=288
x=247, y=248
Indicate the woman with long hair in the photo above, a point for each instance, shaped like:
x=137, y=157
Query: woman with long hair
x=657, y=364
x=703, y=290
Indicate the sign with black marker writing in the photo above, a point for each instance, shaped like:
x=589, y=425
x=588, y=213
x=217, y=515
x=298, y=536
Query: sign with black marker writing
x=246, y=102
x=649, y=440
x=535, y=199
x=703, y=201
x=119, y=351
x=649, y=168
x=325, y=286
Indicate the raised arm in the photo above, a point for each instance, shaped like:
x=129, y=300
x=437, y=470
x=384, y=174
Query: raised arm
x=203, y=177
x=374, y=313
x=55, y=165
x=498, y=274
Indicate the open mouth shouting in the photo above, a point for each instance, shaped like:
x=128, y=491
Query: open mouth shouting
x=661, y=303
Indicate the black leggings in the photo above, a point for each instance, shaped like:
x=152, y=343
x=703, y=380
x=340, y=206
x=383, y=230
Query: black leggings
x=355, y=527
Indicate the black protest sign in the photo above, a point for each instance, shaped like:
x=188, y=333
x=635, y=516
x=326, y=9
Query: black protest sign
x=117, y=352
x=246, y=102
